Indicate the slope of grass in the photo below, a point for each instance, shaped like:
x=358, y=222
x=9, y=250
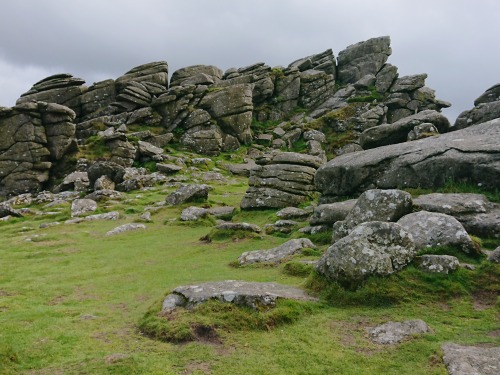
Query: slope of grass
x=72, y=298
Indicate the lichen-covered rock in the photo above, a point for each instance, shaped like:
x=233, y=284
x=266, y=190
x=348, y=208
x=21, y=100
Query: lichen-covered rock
x=438, y=263
x=255, y=295
x=330, y=213
x=431, y=229
x=395, y=332
x=494, y=256
x=196, y=74
x=239, y=226
x=62, y=89
x=193, y=213
x=80, y=207
x=113, y=171
x=454, y=204
x=373, y=248
x=125, y=228
x=7, y=211
x=471, y=360
x=422, y=131
x=290, y=213
x=188, y=193
x=375, y=205
x=363, y=58
x=35, y=137
x=277, y=254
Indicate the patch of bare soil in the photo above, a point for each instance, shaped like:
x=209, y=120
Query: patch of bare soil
x=484, y=299
x=197, y=368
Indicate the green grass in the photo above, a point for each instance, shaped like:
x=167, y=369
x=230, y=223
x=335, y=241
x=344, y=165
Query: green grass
x=78, y=302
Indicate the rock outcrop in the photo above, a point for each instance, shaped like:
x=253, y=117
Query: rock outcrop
x=35, y=137
x=471, y=155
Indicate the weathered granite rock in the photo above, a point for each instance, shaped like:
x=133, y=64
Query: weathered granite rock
x=409, y=83
x=188, y=193
x=193, y=213
x=397, y=132
x=290, y=213
x=196, y=74
x=113, y=171
x=330, y=213
x=61, y=89
x=148, y=150
x=316, y=87
x=7, y=210
x=373, y=248
x=471, y=155
x=395, y=332
x=453, y=204
x=35, y=137
x=494, y=256
x=80, y=207
x=385, y=78
x=483, y=224
x=125, y=228
x=78, y=181
x=471, y=360
x=104, y=183
x=105, y=194
x=114, y=215
x=239, y=226
x=285, y=180
x=363, y=58
x=155, y=72
x=277, y=254
x=168, y=168
x=431, y=229
x=486, y=108
x=375, y=205
x=422, y=131
x=438, y=263
x=324, y=61
x=248, y=294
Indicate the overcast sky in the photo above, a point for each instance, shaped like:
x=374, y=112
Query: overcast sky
x=455, y=41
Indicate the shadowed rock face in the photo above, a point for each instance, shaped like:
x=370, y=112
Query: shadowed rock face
x=471, y=155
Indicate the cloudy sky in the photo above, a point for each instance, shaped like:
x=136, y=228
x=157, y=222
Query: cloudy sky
x=454, y=41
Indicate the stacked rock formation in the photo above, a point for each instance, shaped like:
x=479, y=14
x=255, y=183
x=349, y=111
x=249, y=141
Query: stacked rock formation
x=281, y=180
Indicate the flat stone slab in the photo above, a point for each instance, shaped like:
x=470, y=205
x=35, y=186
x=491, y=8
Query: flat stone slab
x=471, y=360
x=394, y=332
x=242, y=293
x=275, y=255
x=125, y=228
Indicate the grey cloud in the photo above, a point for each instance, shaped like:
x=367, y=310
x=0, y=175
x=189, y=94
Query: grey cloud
x=454, y=41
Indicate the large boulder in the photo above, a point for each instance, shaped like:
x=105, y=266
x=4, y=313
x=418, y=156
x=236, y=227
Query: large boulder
x=431, y=229
x=196, y=74
x=375, y=205
x=188, y=193
x=363, y=58
x=373, y=248
x=471, y=155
